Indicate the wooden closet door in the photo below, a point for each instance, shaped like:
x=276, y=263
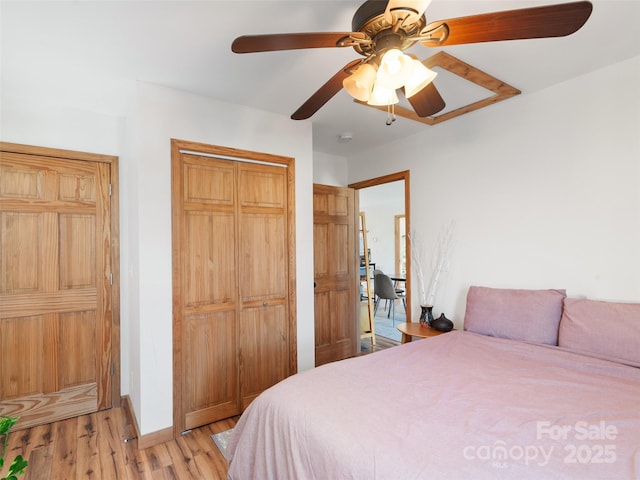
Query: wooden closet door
x=233, y=326
x=263, y=267
x=208, y=294
x=55, y=312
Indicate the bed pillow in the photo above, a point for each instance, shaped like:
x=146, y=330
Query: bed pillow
x=526, y=315
x=607, y=329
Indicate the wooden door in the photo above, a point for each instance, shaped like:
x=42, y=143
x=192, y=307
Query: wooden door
x=263, y=289
x=207, y=290
x=55, y=308
x=335, y=273
x=233, y=321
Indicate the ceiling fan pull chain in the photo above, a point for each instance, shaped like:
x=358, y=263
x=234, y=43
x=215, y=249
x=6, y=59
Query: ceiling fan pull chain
x=391, y=113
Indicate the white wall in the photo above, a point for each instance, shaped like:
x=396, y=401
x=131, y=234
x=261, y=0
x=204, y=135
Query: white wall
x=543, y=189
x=381, y=203
x=329, y=169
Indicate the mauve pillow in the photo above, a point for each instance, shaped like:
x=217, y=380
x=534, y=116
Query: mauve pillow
x=526, y=315
x=607, y=329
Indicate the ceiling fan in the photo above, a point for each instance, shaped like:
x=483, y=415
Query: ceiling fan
x=383, y=30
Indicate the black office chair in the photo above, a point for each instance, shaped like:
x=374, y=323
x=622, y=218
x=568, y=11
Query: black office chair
x=384, y=289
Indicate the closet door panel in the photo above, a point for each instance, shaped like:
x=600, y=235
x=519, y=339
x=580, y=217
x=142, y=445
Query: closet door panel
x=208, y=304
x=209, y=258
x=264, y=344
x=210, y=359
x=263, y=286
x=263, y=272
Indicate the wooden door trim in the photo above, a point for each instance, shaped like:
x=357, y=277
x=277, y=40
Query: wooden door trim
x=111, y=398
x=233, y=154
x=394, y=177
x=396, y=235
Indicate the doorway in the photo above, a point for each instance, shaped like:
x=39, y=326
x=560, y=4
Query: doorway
x=385, y=203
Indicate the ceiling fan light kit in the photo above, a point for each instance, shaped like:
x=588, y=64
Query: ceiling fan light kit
x=382, y=29
x=396, y=70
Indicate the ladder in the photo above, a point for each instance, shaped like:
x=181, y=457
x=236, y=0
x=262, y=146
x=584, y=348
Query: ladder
x=367, y=327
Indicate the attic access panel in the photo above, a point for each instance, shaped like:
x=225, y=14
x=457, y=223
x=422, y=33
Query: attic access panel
x=469, y=73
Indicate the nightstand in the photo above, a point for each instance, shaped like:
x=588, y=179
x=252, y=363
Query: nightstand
x=414, y=329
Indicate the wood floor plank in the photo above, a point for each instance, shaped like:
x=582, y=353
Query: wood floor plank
x=40, y=461
x=143, y=467
x=157, y=457
x=192, y=442
x=64, y=449
x=87, y=459
x=110, y=444
x=126, y=433
x=185, y=466
x=210, y=465
x=27, y=442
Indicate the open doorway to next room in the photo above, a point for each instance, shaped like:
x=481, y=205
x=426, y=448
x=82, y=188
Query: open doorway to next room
x=383, y=204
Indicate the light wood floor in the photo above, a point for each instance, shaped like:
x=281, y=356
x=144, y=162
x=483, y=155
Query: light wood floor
x=101, y=446
x=94, y=447
x=381, y=344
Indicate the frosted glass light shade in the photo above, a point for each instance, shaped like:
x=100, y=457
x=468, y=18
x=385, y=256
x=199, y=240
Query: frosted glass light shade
x=410, y=10
x=394, y=69
x=419, y=78
x=381, y=96
x=360, y=83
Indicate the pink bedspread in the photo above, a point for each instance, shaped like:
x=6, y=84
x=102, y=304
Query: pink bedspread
x=457, y=406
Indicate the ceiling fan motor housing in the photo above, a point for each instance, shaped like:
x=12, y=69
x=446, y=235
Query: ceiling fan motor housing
x=370, y=20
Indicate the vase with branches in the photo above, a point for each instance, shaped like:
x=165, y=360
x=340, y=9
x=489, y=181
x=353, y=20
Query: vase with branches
x=442, y=263
x=443, y=252
x=417, y=260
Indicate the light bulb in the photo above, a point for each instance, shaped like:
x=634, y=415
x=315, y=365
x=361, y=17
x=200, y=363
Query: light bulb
x=381, y=95
x=394, y=69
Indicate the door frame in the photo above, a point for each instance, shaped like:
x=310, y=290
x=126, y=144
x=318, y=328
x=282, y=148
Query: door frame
x=113, y=397
x=394, y=177
x=396, y=237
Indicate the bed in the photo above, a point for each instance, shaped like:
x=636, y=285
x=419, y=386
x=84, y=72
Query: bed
x=538, y=385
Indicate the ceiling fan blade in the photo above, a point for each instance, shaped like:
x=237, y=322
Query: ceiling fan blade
x=324, y=93
x=294, y=41
x=537, y=22
x=427, y=101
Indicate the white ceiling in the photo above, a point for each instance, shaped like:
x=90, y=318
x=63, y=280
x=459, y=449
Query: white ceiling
x=81, y=52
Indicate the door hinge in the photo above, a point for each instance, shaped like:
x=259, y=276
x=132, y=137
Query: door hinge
x=113, y=369
x=110, y=190
x=110, y=278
